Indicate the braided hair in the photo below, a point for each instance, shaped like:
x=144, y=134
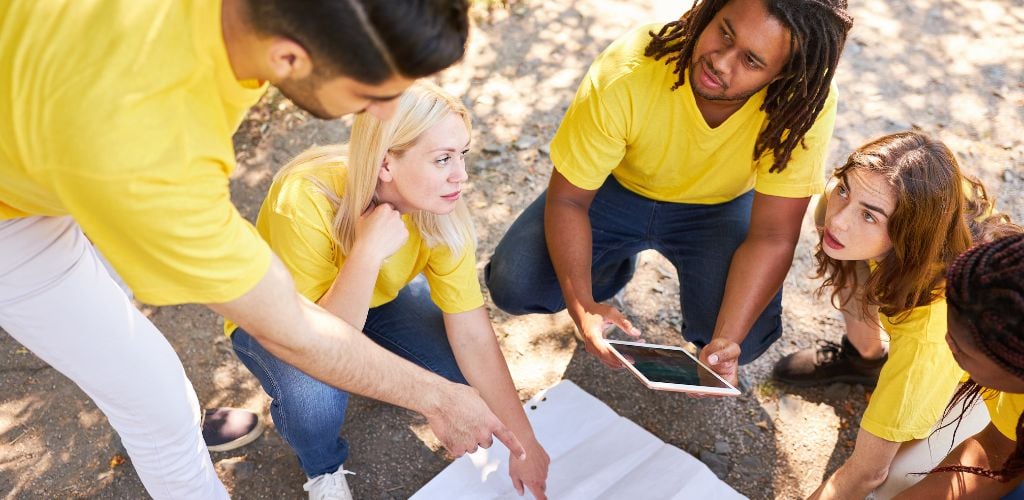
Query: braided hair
x=985, y=287
x=818, y=32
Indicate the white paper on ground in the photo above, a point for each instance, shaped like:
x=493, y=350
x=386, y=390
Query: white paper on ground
x=595, y=454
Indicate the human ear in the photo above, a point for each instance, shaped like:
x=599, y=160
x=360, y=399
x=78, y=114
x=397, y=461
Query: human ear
x=385, y=171
x=288, y=59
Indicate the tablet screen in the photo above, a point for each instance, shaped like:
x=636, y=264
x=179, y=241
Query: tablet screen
x=668, y=366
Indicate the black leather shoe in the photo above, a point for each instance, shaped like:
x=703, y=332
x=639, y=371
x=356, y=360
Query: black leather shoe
x=828, y=363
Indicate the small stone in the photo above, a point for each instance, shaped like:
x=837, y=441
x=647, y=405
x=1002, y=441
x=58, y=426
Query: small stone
x=492, y=148
x=748, y=437
x=789, y=408
x=526, y=142
x=722, y=448
x=751, y=463
x=546, y=149
x=717, y=463
x=1008, y=175
x=838, y=392
x=237, y=467
x=995, y=73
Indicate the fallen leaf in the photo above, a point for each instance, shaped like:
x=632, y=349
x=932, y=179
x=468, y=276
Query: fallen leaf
x=116, y=460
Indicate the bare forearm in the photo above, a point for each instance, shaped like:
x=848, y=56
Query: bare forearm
x=568, y=233
x=758, y=269
x=350, y=295
x=325, y=347
x=483, y=364
x=865, y=470
x=846, y=483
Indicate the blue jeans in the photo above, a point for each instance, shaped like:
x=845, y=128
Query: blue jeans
x=699, y=240
x=308, y=413
x=1016, y=494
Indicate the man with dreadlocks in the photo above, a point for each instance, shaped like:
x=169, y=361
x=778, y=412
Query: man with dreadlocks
x=703, y=139
x=985, y=295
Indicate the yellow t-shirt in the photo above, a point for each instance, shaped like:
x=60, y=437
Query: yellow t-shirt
x=626, y=121
x=296, y=219
x=120, y=114
x=1005, y=409
x=918, y=380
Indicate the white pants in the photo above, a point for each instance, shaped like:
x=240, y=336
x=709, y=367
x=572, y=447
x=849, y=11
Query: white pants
x=924, y=455
x=59, y=301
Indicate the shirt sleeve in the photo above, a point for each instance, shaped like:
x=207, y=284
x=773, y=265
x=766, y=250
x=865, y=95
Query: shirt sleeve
x=173, y=239
x=454, y=286
x=1005, y=410
x=298, y=221
x=591, y=140
x=805, y=173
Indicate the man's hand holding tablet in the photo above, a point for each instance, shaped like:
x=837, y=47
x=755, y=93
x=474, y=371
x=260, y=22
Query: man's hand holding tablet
x=670, y=368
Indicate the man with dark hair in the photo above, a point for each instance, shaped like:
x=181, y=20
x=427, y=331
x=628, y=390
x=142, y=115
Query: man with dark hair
x=117, y=125
x=703, y=139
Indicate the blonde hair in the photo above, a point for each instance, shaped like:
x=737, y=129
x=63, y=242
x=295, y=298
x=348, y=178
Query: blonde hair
x=421, y=107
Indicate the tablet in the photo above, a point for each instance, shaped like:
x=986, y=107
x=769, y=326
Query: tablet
x=670, y=368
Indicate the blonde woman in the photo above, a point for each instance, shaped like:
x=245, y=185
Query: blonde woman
x=376, y=234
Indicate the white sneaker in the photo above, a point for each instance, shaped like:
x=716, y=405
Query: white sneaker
x=331, y=486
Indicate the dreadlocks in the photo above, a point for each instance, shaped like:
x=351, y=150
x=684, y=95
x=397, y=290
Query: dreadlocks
x=818, y=32
x=985, y=286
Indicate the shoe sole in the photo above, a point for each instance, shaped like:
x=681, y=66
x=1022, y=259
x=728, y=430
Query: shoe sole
x=253, y=435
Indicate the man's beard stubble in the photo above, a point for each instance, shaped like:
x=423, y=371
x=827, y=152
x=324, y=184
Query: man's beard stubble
x=303, y=94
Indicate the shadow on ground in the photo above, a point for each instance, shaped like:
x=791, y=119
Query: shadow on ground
x=947, y=67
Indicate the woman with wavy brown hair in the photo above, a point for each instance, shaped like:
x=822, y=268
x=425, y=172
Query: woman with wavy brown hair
x=896, y=216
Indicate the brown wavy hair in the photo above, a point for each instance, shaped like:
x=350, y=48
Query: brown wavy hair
x=818, y=31
x=939, y=213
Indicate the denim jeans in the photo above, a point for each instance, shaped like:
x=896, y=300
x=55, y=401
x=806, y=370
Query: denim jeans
x=308, y=413
x=699, y=240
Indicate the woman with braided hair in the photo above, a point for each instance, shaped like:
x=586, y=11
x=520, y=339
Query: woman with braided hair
x=985, y=294
x=895, y=217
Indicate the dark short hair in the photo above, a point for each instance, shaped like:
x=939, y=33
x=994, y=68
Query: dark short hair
x=369, y=40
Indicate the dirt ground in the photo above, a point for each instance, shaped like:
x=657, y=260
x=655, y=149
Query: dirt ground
x=949, y=67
